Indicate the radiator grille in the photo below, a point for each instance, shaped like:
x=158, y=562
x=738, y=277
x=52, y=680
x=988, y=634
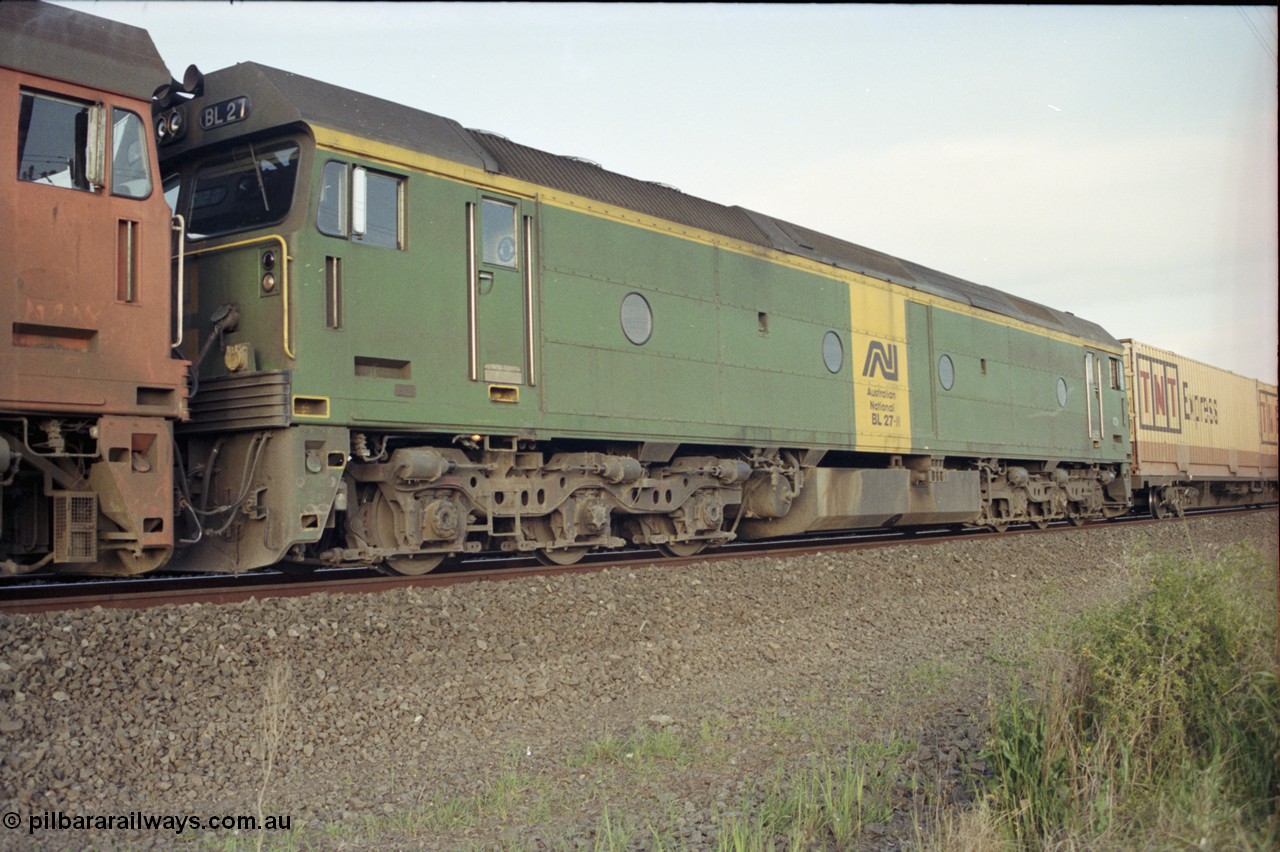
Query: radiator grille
x=75, y=527
x=242, y=401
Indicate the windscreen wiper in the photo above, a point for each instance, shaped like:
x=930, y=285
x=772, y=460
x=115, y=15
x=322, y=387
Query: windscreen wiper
x=257, y=170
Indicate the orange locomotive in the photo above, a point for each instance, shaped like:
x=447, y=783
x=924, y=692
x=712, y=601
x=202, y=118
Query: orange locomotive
x=89, y=386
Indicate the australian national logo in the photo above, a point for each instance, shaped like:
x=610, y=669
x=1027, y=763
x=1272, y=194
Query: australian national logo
x=883, y=359
x=879, y=408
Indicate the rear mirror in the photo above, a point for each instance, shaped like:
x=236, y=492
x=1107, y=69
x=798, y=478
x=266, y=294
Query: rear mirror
x=96, y=155
x=359, y=202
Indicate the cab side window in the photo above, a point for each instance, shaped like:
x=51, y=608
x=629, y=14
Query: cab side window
x=53, y=141
x=331, y=217
x=363, y=206
x=130, y=165
x=61, y=143
x=382, y=211
x=498, y=232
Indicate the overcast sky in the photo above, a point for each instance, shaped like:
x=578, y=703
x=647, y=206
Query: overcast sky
x=1116, y=162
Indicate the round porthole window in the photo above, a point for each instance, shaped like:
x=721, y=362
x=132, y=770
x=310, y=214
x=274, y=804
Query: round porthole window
x=637, y=318
x=1062, y=393
x=946, y=372
x=832, y=351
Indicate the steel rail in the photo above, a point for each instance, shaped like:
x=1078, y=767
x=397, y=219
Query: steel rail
x=53, y=594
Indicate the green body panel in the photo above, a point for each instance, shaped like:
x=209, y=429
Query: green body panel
x=731, y=357
x=1004, y=399
x=398, y=356
x=735, y=355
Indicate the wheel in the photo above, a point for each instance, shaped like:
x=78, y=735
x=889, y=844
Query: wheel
x=682, y=549
x=1077, y=520
x=561, y=555
x=414, y=566
x=383, y=533
x=1157, y=504
x=676, y=549
x=540, y=531
x=1040, y=523
x=125, y=563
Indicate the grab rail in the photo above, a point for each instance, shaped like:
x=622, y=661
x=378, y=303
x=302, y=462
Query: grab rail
x=177, y=223
x=473, y=343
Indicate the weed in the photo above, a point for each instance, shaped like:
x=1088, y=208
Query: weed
x=613, y=834
x=1159, y=718
x=640, y=751
x=273, y=720
x=829, y=802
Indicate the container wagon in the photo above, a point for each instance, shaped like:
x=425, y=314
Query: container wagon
x=1203, y=437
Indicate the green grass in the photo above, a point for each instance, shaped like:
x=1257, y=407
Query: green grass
x=639, y=752
x=1157, y=722
x=831, y=801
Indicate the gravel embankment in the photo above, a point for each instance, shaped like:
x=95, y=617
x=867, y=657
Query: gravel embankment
x=515, y=713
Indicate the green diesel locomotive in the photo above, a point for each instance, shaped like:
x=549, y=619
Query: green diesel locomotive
x=415, y=340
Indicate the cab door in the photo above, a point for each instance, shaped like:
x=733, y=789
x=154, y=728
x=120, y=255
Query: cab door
x=500, y=298
x=1093, y=396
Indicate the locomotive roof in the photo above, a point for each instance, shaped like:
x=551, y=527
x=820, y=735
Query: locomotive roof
x=314, y=102
x=66, y=44
x=582, y=177
x=281, y=97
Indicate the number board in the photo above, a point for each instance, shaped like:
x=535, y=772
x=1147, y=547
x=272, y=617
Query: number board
x=226, y=112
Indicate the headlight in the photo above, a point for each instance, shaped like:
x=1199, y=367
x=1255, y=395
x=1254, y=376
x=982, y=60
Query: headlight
x=171, y=126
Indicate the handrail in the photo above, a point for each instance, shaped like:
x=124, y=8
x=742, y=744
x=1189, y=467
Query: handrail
x=1102, y=414
x=473, y=345
x=284, y=275
x=177, y=223
x=528, y=299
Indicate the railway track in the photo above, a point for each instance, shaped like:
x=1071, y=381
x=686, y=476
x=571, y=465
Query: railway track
x=44, y=593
